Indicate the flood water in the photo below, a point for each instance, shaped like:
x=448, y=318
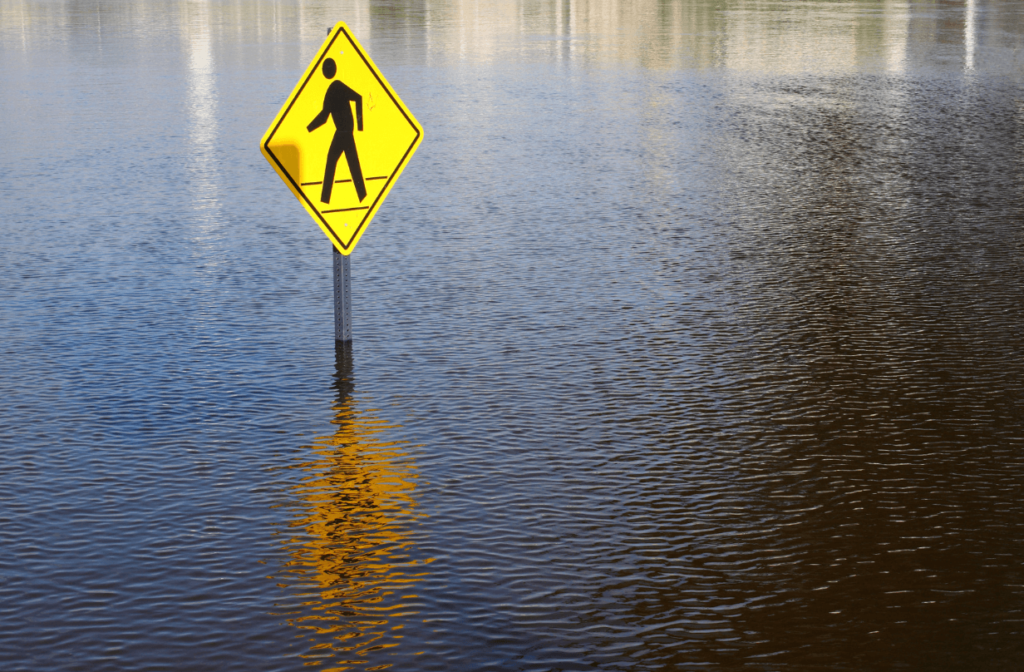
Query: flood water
x=691, y=338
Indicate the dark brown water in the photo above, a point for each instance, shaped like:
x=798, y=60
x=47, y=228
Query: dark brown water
x=691, y=338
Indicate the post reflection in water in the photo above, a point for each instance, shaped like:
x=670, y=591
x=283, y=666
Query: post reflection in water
x=351, y=574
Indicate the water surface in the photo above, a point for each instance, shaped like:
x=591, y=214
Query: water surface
x=689, y=339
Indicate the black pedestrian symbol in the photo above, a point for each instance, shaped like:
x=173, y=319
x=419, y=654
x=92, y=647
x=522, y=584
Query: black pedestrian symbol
x=336, y=105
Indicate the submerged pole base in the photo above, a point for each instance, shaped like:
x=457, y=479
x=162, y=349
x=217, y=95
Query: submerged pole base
x=342, y=297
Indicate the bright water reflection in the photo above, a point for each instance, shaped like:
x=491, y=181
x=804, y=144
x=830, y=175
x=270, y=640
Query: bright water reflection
x=201, y=104
x=739, y=35
x=690, y=339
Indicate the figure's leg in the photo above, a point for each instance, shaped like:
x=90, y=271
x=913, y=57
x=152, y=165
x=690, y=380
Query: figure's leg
x=352, y=156
x=333, y=154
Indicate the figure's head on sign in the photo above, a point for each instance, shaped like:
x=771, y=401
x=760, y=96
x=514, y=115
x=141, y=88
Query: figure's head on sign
x=324, y=121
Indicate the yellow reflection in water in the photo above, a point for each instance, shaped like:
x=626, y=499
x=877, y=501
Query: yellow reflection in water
x=350, y=542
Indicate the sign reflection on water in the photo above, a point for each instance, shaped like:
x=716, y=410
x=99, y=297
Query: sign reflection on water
x=352, y=572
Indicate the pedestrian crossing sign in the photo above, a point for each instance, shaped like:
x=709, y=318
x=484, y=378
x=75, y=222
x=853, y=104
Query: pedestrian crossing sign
x=341, y=139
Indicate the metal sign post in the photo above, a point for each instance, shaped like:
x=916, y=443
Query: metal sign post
x=341, y=107
x=342, y=297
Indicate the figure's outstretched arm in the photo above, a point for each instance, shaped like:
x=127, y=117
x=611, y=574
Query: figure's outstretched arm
x=359, y=110
x=319, y=121
x=320, y=118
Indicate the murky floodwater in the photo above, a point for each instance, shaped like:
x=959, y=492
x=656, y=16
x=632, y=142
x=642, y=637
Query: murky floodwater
x=690, y=339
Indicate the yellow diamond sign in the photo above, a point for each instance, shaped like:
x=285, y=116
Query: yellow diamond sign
x=341, y=139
